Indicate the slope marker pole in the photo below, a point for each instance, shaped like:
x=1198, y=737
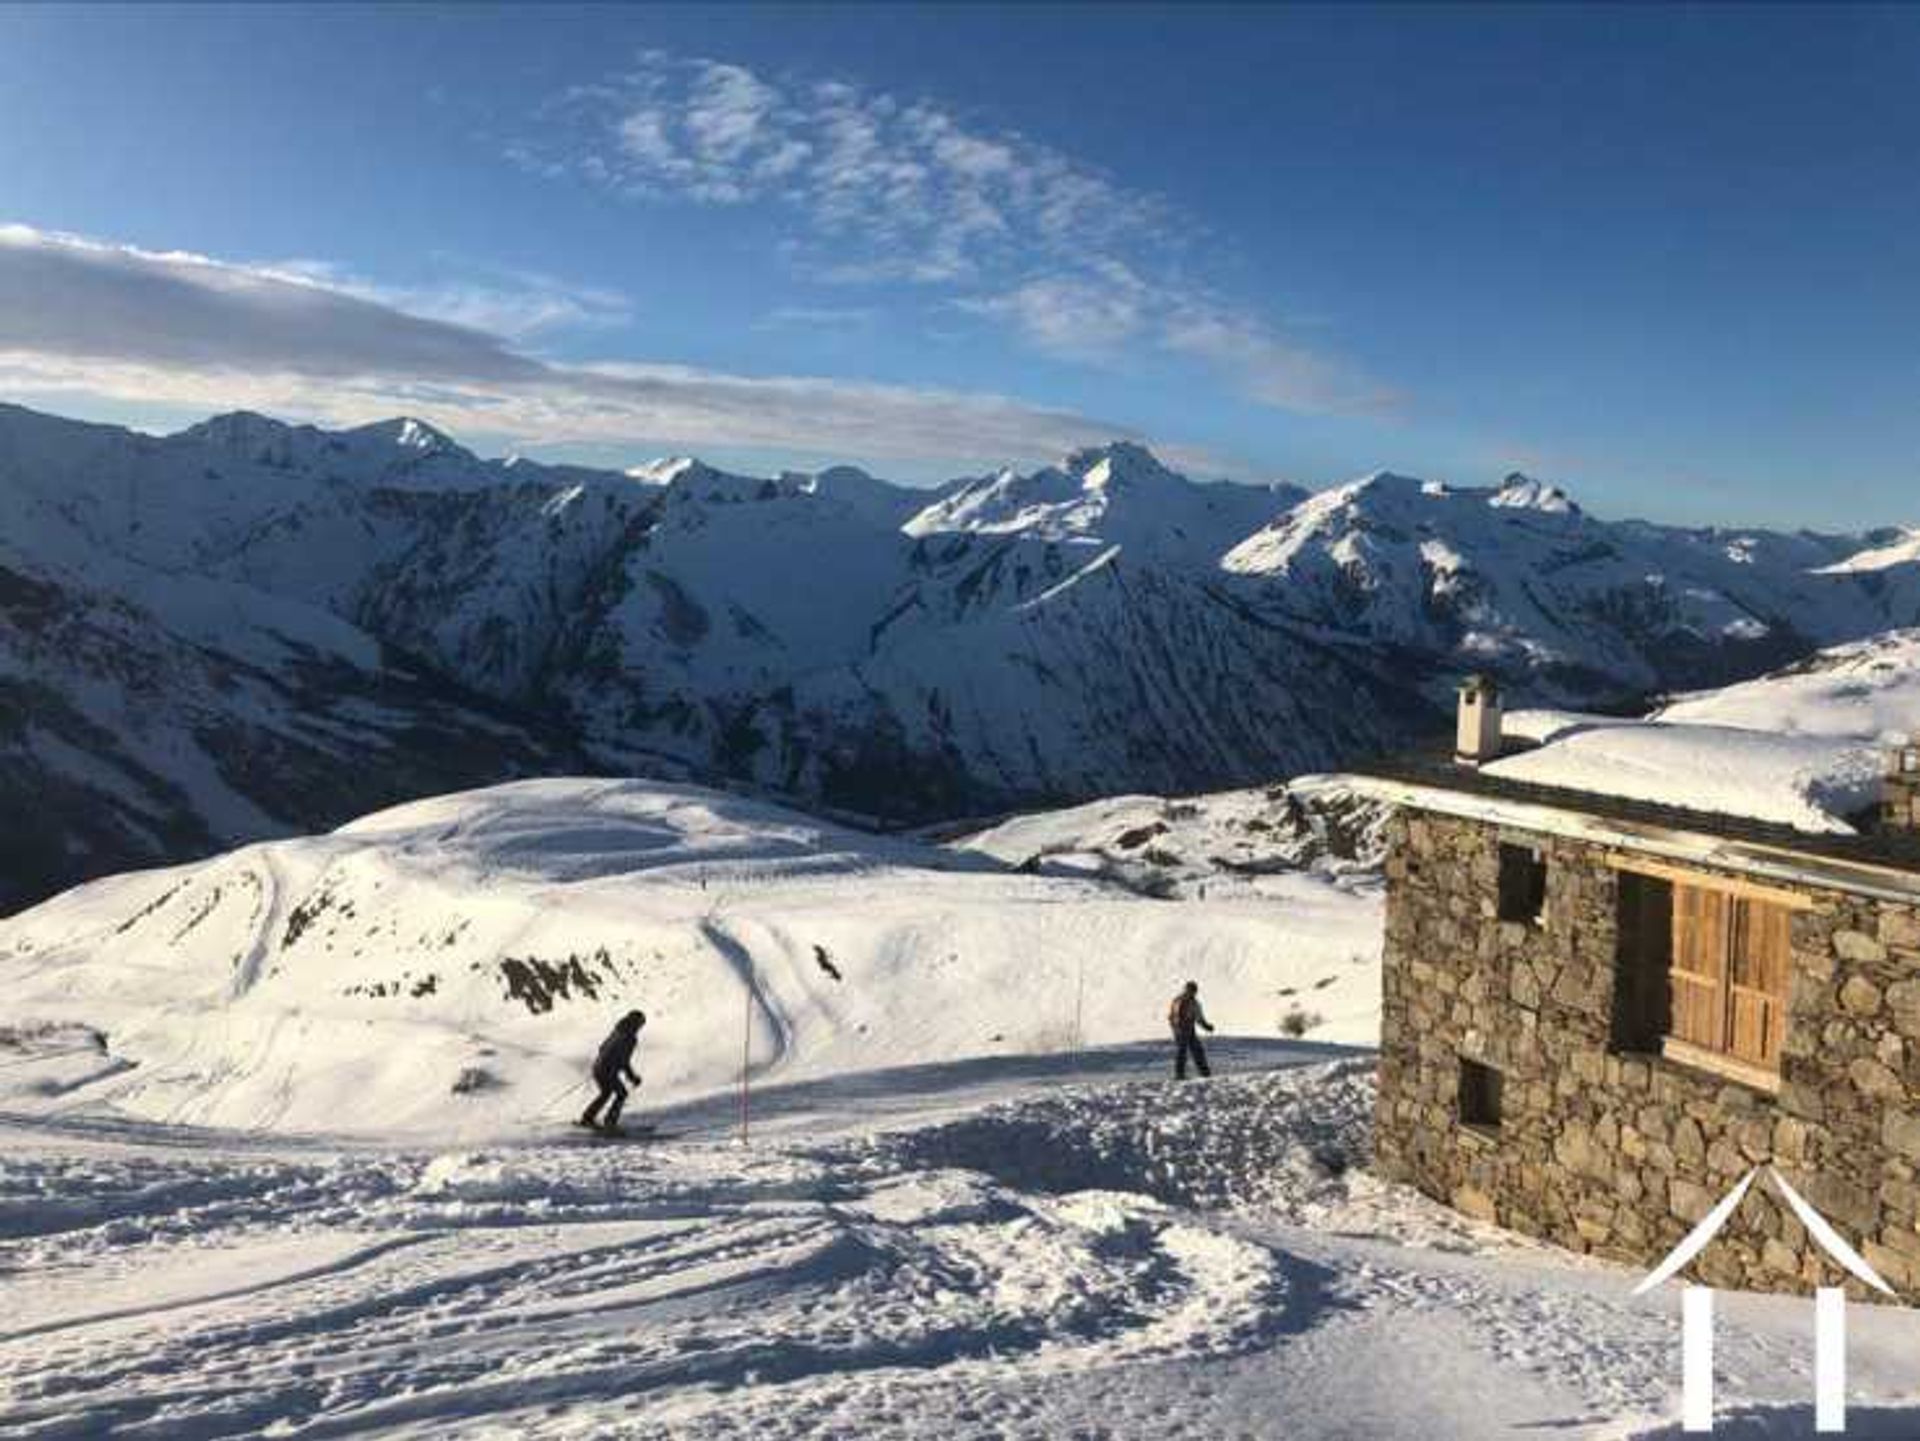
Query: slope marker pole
x=746, y=1045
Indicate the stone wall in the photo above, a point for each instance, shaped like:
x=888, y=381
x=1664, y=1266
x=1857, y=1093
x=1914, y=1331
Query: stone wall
x=1620, y=1154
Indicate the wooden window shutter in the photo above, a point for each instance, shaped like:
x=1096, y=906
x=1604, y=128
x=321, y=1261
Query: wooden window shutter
x=1760, y=951
x=1699, y=976
x=1732, y=957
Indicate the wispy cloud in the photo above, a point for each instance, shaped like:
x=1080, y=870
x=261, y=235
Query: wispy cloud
x=903, y=189
x=1089, y=317
x=1269, y=367
x=83, y=316
x=899, y=191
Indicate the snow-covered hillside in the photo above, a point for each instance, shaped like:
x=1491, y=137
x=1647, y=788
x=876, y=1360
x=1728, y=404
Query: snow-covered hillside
x=447, y=966
x=1197, y=845
x=250, y=629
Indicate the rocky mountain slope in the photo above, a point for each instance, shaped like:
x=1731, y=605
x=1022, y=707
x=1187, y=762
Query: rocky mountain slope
x=250, y=628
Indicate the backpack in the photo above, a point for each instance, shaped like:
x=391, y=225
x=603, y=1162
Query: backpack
x=1177, y=1011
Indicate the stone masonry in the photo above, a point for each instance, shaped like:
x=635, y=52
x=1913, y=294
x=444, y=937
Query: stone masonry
x=1619, y=1154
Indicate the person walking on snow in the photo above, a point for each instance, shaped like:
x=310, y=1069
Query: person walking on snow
x=1188, y=1020
x=614, y=1061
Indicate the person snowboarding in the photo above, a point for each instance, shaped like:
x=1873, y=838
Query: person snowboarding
x=614, y=1061
x=1188, y=1020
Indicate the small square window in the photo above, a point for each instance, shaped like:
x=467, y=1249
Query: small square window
x=1523, y=885
x=1480, y=1087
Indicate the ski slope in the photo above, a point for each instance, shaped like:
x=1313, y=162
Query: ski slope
x=283, y=1147
x=1059, y=1246
x=447, y=967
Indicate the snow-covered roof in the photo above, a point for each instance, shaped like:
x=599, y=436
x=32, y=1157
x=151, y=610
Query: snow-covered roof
x=1812, y=783
x=1801, y=747
x=1768, y=776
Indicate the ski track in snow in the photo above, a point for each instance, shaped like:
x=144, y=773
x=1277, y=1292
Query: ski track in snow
x=741, y=958
x=1063, y=1254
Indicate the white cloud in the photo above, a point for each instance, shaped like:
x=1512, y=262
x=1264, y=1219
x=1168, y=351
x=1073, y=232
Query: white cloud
x=78, y=316
x=891, y=191
x=730, y=108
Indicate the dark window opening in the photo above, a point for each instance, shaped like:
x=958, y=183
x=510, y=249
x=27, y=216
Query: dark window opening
x=1642, y=992
x=1523, y=885
x=1479, y=1095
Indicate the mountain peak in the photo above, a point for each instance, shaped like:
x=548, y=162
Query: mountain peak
x=1523, y=492
x=667, y=469
x=406, y=432
x=1118, y=461
x=239, y=430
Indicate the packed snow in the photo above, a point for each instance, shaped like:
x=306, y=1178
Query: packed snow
x=283, y=1147
x=1074, y=1247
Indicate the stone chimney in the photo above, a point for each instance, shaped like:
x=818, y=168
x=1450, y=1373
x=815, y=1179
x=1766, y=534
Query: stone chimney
x=1477, y=739
x=1900, y=788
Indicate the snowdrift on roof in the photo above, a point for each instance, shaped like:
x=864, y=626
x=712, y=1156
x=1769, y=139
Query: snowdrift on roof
x=1806, y=782
x=1802, y=746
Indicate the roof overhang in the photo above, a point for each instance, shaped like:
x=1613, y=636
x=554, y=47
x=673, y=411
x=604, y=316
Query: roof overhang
x=1770, y=862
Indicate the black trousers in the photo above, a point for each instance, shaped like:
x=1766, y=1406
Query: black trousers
x=1187, y=1043
x=611, y=1089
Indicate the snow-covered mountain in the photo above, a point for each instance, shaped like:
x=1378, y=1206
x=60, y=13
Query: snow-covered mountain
x=1518, y=579
x=250, y=628
x=1116, y=494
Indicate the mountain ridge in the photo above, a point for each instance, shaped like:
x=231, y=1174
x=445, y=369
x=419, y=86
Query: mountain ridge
x=210, y=633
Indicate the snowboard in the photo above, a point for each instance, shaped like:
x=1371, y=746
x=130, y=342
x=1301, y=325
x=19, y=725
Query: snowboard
x=640, y=1131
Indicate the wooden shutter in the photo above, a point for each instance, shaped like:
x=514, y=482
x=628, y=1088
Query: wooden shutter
x=1760, y=947
x=1699, y=975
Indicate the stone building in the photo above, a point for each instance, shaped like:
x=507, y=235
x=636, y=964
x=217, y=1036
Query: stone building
x=1602, y=1008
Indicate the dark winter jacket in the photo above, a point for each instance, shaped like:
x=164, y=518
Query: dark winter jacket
x=1185, y=1014
x=616, y=1055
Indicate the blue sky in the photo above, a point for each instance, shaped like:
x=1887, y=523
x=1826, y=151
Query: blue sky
x=1669, y=257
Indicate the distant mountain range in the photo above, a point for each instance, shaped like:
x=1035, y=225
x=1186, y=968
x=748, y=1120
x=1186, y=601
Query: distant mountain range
x=249, y=628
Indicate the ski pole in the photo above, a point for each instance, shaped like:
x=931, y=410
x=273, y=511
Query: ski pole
x=540, y=1111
